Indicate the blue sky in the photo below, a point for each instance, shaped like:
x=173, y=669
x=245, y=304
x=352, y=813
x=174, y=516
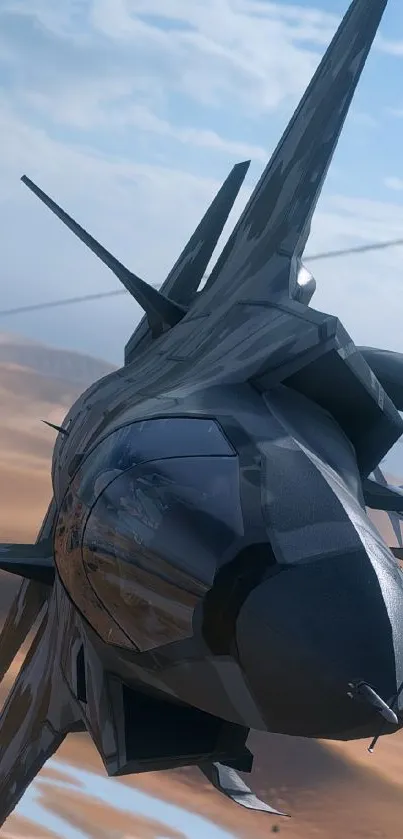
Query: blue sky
x=130, y=113
x=122, y=798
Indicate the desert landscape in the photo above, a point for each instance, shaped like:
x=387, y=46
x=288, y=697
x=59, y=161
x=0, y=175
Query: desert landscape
x=331, y=791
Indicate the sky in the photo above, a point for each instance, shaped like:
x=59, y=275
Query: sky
x=123, y=798
x=130, y=113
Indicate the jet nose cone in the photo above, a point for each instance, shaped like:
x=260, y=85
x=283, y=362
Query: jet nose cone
x=309, y=633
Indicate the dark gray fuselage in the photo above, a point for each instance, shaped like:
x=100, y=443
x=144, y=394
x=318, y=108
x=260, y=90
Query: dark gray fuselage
x=218, y=545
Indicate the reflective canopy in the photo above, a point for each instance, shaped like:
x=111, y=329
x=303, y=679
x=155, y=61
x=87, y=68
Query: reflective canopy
x=139, y=442
x=154, y=540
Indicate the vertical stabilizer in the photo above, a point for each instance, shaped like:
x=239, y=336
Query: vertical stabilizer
x=186, y=275
x=277, y=218
x=159, y=310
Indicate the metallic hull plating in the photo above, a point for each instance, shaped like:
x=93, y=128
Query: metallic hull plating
x=209, y=582
x=207, y=565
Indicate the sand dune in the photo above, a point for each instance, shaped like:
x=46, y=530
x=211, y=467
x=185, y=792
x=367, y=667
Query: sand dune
x=331, y=790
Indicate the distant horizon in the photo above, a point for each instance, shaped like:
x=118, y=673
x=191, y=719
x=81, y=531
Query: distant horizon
x=17, y=337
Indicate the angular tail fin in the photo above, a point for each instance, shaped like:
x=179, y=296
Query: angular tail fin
x=186, y=275
x=271, y=234
x=159, y=310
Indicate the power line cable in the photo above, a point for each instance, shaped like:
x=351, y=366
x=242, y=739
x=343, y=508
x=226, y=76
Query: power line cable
x=69, y=301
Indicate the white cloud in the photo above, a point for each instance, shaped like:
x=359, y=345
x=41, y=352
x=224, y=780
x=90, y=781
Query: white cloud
x=255, y=54
x=207, y=50
x=80, y=113
x=248, y=38
x=117, y=65
x=395, y=112
x=396, y=184
x=390, y=46
x=363, y=119
x=106, y=103
x=144, y=214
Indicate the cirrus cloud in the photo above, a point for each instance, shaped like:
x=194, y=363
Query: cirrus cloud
x=130, y=113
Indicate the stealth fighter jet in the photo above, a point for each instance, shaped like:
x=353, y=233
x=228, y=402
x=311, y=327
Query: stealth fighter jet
x=207, y=565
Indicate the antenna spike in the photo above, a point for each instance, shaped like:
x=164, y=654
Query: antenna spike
x=159, y=309
x=56, y=427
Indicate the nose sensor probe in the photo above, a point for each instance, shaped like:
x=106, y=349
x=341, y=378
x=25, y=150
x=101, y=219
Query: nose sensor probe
x=364, y=693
